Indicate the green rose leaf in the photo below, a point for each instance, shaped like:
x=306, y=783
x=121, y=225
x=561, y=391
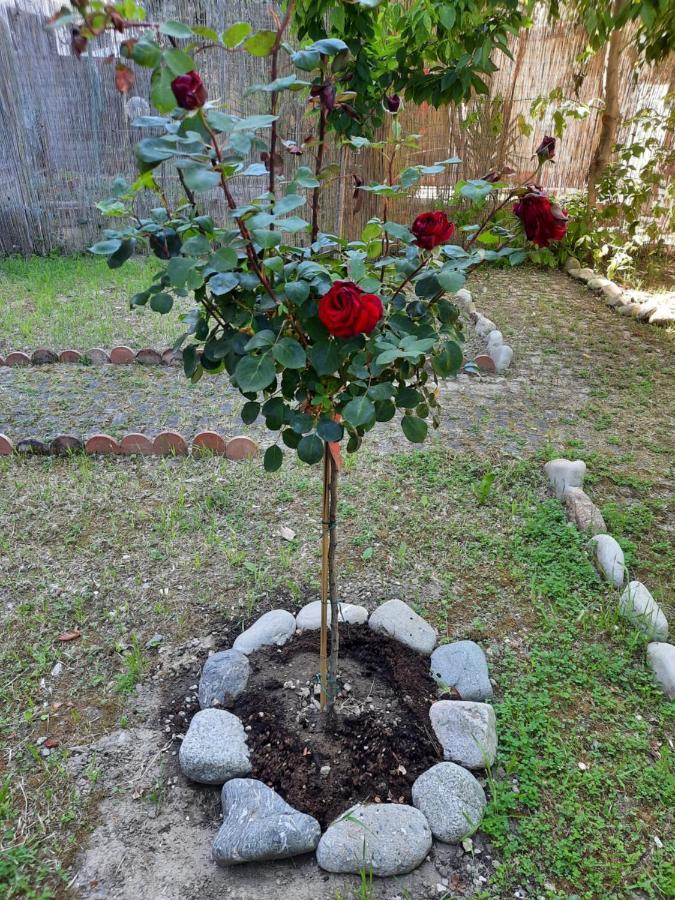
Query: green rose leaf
x=273, y=458
x=146, y=53
x=106, y=248
x=450, y=279
x=414, y=429
x=359, y=411
x=178, y=270
x=201, y=178
x=178, y=61
x=162, y=303
x=330, y=430
x=235, y=34
x=323, y=356
x=175, y=29
x=224, y=260
x=223, y=283
x=310, y=449
x=297, y=291
x=260, y=340
x=260, y=43
x=448, y=361
x=289, y=353
x=253, y=373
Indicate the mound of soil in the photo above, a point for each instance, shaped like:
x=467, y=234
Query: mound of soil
x=374, y=746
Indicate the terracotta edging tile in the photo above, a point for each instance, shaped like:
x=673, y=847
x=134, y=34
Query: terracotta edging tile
x=101, y=443
x=209, y=441
x=6, y=446
x=70, y=356
x=136, y=443
x=16, y=359
x=122, y=356
x=32, y=447
x=63, y=444
x=43, y=356
x=485, y=363
x=97, y=356
x=172, y=357
x=170, y=442
x=241, y=447
x=149, y=357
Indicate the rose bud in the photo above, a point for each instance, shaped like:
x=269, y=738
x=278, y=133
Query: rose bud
x=432, y=229
x=546, y=150
x=543, y=221
x=392, y=103
x=189, y=91
x=346, y=310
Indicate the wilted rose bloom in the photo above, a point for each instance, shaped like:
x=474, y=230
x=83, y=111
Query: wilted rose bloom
x=546, y=150
x=432, y=229
x=189, y=91
x=543, y=221
x=392, y=103
x=346, y=310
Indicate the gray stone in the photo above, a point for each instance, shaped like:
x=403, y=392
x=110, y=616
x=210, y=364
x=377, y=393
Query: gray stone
x=663, y=315
x=582, y=512
x=452, y=801
x=612, y=291
x=582, y=274
x=462, y=666
x=463, y=299
x=397, y=620
x=609, y=558
x=309, y=617
x=273, y=628
x=224, y=678
x=259, y=825
x=501, y=356
x=628, y=309
x=484, y=325
x=563, y=473
x=597, y=283
x=639, y=607
x=494, y=339
x=382, y=838
x=467, y=732
x=571, y=263
x=661, y=659
x=214, y=748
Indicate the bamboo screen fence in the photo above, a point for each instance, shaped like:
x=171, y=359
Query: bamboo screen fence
x=66, y=132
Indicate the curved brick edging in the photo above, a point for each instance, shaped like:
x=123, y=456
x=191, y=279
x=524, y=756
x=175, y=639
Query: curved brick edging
x=96, y=356
x=167, y=443
x=636, y=604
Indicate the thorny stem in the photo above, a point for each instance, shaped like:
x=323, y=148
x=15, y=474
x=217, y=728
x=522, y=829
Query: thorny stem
x=409, y=278
x=317, y=169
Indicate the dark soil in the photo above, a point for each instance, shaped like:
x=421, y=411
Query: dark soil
x=376, y=744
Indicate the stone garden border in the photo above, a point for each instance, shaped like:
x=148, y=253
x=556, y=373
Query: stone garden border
x=166, y=443
x=655, y=311
x=385, y=839
x=96, y=356
x=498, y=355
x=636, y=604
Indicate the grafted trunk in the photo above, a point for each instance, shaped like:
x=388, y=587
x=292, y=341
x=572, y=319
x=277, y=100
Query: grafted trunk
x=610, y=116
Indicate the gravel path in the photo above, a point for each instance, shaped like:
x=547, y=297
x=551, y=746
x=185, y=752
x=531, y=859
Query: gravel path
x=578, y=369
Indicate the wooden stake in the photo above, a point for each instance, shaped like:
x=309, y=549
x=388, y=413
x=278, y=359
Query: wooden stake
x=325, y=579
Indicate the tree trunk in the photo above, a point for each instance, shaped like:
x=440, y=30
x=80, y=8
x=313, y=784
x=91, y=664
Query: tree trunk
x=610, y=116
x=329, y=601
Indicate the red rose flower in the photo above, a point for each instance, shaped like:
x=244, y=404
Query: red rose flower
x=189, y=91
x=432, y=229
x=546, y=150
x=542, y=220
x=347, y=311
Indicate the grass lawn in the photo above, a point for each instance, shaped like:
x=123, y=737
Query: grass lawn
x=78, y=302
x=583, y=790
x=582, y=793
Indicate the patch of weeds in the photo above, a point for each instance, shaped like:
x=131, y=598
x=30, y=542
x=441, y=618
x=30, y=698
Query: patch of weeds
x=134, y=667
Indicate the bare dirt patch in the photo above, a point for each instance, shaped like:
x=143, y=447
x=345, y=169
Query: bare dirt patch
x=375, y=745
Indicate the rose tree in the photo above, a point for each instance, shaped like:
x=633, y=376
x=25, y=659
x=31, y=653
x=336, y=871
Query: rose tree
x=323, y=337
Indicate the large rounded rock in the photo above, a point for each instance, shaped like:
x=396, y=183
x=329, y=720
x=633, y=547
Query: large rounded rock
x=397, y=620
x=259, y=825
x=565, y=473
x=214, y=748
x=661, y=659
x=609, y=558
x=273, y=628
x=582, y=512
x=383, y=838
x=462, y=666
x=467, y=732
x=309, y=617
x=641, y=609
x=452, y=801
x=224, y=678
